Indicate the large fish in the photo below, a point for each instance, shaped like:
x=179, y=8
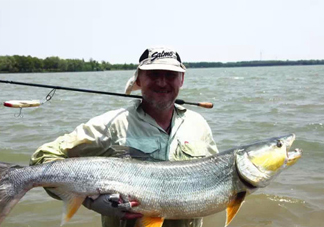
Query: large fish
x=165, y=190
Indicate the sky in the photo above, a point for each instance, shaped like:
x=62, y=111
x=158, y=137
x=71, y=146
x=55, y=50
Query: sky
x=119, y=31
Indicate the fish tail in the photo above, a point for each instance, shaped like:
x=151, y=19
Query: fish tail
x=9, y=193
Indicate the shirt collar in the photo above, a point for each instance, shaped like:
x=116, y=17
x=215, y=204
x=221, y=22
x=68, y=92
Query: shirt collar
x=180, y=110
x=177, y=118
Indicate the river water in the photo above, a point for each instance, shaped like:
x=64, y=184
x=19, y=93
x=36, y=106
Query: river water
x=250, y=104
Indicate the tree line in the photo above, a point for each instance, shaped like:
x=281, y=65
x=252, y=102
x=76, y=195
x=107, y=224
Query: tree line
x=25, y=64
x=252, y=63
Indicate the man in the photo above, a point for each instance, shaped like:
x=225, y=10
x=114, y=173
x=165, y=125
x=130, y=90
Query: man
x=154, y=128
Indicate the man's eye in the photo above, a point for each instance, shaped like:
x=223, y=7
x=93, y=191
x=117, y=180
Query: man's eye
x=153, y=75
x=171, y=75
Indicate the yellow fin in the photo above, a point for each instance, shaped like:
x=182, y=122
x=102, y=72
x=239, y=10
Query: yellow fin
x=72, y=206
x=149, y=222
x=234, y=207
x=71, y=202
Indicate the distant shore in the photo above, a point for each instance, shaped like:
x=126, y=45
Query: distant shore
x=28, y=64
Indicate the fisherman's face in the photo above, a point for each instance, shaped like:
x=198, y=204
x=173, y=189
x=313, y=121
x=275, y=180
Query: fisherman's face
x=160, y=88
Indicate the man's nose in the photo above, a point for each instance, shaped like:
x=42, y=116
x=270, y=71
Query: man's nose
x=161, y=80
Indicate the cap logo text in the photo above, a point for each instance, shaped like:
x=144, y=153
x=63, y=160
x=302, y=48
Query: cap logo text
x=163, y=54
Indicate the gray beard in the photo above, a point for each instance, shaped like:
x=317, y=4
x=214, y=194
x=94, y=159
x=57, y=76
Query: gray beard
x=158, y=105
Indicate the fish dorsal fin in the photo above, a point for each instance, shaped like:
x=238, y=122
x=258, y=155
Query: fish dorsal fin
x=72, y=203
x=149, y=222
x=234, y=207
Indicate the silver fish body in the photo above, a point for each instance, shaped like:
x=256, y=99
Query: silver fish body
x=172, y=190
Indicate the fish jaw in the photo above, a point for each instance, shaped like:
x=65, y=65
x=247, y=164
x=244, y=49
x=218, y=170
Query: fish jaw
x=294, y=156
x=259, y=163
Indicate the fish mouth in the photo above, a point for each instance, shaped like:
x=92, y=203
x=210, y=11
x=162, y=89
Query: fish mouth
x=293, y=156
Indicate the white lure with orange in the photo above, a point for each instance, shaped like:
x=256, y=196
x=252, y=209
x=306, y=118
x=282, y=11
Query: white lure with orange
x=22, y=103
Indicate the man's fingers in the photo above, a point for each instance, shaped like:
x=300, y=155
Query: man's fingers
x=87, y=202
x=128, y=205
x=123, y=198
x=114, y=197
x=134, y=203
x=126, y=202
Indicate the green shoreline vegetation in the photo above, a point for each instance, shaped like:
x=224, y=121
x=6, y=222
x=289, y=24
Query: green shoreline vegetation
x=27, y=64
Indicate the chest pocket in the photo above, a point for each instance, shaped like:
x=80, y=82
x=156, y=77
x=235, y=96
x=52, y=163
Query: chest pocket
x=146, y=145
x=140, y=148
x=190, y=149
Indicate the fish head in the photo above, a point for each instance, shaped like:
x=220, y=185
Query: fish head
x=258, y=163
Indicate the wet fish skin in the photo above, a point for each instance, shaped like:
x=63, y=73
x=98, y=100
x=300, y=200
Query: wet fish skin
x=170, y=190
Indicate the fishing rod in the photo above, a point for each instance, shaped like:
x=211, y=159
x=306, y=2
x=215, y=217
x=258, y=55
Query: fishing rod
x=33, y=103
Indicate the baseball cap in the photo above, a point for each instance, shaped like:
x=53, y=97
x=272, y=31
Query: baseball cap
x=156, y=58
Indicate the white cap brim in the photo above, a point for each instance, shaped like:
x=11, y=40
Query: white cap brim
x=163, y=64
x=162, y=67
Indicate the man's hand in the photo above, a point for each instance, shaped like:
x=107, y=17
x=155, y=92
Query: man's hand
x=112, y=205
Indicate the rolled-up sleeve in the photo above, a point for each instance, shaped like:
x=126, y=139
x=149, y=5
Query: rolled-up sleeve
x=90, y=139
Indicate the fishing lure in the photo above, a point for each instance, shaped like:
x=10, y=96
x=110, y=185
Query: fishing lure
x=27, y=103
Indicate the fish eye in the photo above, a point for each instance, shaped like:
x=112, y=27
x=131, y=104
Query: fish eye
x=279, y=143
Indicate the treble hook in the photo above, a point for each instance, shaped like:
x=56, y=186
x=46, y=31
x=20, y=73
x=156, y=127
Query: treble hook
x=20, y=113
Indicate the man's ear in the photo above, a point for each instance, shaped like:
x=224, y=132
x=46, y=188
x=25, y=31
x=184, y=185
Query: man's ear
x=182, y=79
x=138, y=82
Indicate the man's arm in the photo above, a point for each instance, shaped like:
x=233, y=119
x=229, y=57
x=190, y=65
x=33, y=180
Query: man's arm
x=86, y=140
x=90, y=139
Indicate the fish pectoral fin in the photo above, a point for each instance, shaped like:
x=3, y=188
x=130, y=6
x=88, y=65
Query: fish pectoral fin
x=72, y=203
x=149, y=222
x=234, y=207
x=70, y=208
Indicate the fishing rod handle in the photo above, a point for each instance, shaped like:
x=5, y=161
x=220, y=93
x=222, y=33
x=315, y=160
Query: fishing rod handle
x=207, y=105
